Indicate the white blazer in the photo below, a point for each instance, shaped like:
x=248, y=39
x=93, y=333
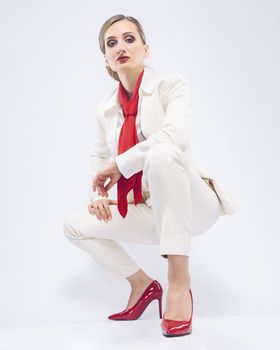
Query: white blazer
x=165, y=116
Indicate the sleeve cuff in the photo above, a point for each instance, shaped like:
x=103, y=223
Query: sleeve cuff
x=126, y=171
x=93, y=199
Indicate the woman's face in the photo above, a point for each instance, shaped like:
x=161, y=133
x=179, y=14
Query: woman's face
x=123, y=35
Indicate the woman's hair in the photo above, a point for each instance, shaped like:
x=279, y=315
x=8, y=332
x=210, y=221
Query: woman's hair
x=108, y=24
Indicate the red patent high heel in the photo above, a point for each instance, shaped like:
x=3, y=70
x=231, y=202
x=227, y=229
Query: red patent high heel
x=153, y=291
x=172, y=328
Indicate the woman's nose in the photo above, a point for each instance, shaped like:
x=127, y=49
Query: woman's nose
x=120, y=51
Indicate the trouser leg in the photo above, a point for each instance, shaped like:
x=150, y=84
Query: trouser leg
x=183, y=204
x=98, y=238
x=100, y=248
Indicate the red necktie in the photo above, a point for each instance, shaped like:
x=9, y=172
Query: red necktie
x=128, y=138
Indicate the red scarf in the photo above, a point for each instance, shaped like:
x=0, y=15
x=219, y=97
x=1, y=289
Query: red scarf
x=128, y=138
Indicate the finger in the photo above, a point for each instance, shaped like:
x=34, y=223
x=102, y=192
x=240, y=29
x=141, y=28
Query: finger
x=97, y=181
x=98, y=186
x=109, y=185
x=91, y=209
x=101, y=184
x=108, y=211
x=102, y=191
x=94, y=185
x=100, y=180
x=104, y=212
x=97, y=213
x=99, y=189
x=95, y=210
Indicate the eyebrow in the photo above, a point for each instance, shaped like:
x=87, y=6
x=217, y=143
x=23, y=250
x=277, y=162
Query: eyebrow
x=110, y=37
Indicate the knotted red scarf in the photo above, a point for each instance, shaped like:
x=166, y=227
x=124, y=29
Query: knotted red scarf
x=128, y=138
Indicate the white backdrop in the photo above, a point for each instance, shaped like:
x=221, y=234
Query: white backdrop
x=53, y=75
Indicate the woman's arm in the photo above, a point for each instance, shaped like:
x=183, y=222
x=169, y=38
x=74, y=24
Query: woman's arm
x=100, y=155
x=176, y=127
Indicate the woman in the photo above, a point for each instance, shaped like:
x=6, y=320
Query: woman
x=142, y=145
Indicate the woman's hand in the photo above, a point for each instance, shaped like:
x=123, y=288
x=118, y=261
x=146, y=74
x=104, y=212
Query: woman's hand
x=112, y=172
x=101, y=208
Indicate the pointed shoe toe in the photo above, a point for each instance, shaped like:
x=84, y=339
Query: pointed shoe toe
x=152, y=292
x=174, y=328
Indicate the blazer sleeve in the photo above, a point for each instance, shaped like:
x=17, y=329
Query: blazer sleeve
x=176, y=127
x=100, y=155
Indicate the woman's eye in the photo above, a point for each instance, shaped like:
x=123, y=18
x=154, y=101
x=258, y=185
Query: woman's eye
x=130, y=40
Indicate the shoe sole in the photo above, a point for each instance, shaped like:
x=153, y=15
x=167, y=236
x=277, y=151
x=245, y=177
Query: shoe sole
x=175, y=335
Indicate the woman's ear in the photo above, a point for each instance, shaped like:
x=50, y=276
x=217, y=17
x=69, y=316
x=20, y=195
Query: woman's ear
x=147, y=50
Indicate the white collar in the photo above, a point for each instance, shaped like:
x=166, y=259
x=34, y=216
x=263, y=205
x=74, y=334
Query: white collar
x=147, y=85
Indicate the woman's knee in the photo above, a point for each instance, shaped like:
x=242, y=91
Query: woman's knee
x=72, y=224
x=69, y=227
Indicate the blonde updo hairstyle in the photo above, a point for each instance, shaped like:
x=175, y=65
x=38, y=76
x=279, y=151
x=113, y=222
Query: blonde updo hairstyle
x=105, y=27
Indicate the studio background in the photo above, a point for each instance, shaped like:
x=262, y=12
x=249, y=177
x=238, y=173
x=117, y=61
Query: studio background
x=52, y=77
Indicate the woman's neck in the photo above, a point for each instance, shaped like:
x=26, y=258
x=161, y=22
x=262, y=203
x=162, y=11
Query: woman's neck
x=129, y=80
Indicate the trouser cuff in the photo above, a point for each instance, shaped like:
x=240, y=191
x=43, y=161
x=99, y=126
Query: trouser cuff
x=174, y=245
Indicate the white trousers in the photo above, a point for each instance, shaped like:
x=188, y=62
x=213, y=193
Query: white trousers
x=183, y=205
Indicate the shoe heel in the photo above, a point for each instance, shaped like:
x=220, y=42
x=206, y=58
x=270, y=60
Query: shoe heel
x=160, y=306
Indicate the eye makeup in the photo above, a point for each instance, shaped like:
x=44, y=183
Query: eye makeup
x=131, y=38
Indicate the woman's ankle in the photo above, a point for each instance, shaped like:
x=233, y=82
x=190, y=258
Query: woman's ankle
x=179, y=282
x=138, y=279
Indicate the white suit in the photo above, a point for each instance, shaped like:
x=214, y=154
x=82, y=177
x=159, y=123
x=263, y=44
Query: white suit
x=180, y=200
